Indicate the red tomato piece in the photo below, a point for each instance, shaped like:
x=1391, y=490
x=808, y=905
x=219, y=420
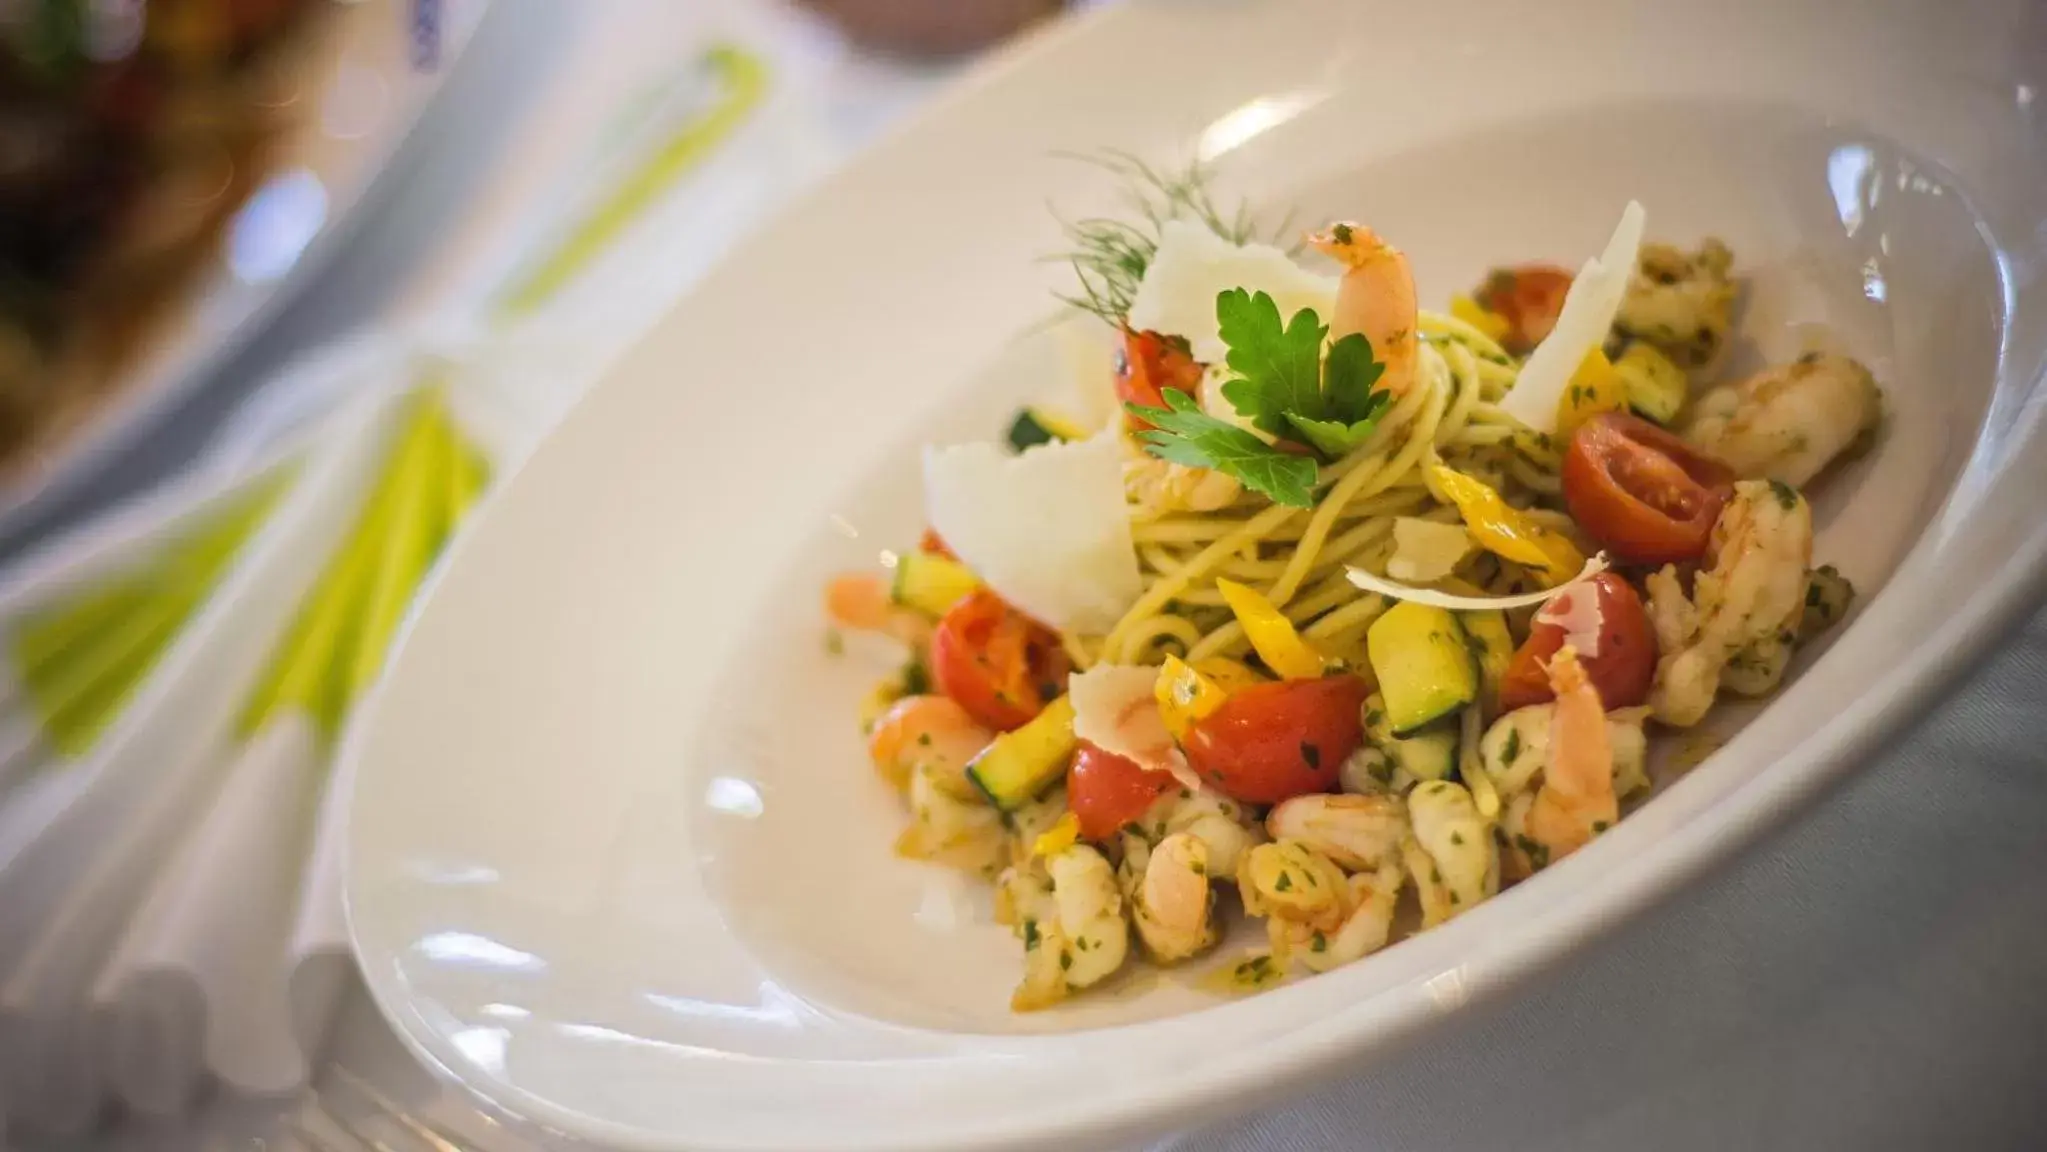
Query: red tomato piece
x=1146, y=365
x=1271, y=741
x=934, y=544
x=1528, y=298
x=1107, y=791
x=1646, y=495
x=998, y=664
x=1622, y=672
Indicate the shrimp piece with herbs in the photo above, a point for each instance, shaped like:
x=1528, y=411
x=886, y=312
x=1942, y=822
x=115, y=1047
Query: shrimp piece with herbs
x=1354, y=832
x=923, y=745
x=1452, y=854
x=1367, y=925
x=1069, y=913
x=860, y=602
x=1742, y=618
x=1515, y=750
x=1313, y=911
x=931, y=731
x=1375, y=299
x=1171, y=902
x=1681, y=303
x=1576, y=801
x=1789, y=422
x=1218, y=822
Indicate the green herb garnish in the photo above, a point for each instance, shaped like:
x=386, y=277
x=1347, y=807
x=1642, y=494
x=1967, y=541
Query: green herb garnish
x=1285, y=387
x=1182, y=433
x=1110, y=257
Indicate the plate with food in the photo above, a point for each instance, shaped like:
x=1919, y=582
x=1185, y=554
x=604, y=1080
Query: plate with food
x=1121, y=663
x=170, y=172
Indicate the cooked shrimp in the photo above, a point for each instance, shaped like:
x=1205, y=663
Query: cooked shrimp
x=1515, y=750
x=1356, y=832
x=1289, y=880
x=1463, y=867
x=1789, y=422
x=1365, y=772
x=860, y=602
x=1170, y=899
x=1370, y=899
x=1375, y=299
x=927, y=730
x=1576, y=801
x=1682, y=303
x=1072, y=925
x=962, y=831
x=1744, y=609
x=1226, y=832
x=1158, y=487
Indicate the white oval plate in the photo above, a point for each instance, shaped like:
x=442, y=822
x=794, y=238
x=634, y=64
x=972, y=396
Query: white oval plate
x=360, y=89
x=616, y=860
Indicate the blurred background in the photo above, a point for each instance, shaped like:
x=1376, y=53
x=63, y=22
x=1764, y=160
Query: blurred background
x=285, y=284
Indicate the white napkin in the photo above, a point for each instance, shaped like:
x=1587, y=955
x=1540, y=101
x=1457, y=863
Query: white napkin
x=317, y=960
x=67, y=889
x=207, y=938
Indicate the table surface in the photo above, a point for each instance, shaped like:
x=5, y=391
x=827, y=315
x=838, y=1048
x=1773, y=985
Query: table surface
x=1865, y=978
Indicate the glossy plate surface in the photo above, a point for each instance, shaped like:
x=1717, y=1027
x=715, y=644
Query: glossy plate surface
x=617, y=860
x=352, y=94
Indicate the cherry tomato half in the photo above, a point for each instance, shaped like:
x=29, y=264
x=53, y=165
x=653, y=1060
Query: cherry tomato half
x=1271, y=741
x=997, y=663
x=1646, y=495
x=1147, y=365
x=1622, y=672
x=1528, y=298
x=1107, y=791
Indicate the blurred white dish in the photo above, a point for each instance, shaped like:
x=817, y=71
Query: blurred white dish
x=358, y=89
x=616, y=858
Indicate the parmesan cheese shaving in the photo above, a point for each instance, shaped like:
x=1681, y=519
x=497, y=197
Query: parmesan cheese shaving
x=1425, y=551
x=1048, y=529
x=1576, y=611
x=1114, y=709
x=1588, y=312
x=1193, y=266
x=1456, y=603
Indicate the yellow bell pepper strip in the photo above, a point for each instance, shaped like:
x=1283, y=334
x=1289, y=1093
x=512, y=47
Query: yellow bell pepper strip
x=1185, y=696
x=1505, y=531
x=1058, y=838
x=1595, y=387
x=1227, y=674
x=1494, y=325
x=1271, y=633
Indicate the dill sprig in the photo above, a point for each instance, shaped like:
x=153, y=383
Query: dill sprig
x=1109, y=256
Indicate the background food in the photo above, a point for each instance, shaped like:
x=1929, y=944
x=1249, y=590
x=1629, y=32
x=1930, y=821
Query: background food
x=129, y=131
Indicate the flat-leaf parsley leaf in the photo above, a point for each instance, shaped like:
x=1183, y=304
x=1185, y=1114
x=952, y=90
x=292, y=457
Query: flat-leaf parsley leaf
x=1278, y=367
x=1182, y=433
